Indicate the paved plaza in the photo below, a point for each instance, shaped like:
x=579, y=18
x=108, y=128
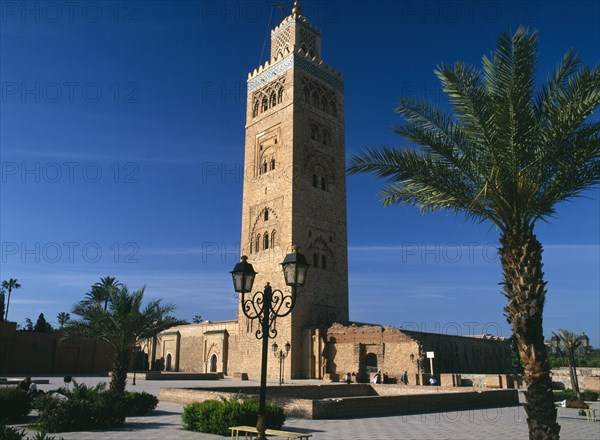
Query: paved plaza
x=489, y=424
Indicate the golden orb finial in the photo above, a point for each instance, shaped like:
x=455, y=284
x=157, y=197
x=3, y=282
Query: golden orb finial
x=296, y=10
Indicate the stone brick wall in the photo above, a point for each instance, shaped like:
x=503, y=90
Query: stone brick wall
x=349, y=346
x=562, y=380
x=407, y=404
x=32, y=352
x=335, y=402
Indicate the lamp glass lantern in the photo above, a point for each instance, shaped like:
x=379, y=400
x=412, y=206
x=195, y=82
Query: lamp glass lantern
x=243, y=275
x=294, y=268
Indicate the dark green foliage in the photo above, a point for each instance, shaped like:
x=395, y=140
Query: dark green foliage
x=217, y=416
x=15, y=404
x=139, y=404
x=80, y=408
x=590, y=396
x=10, y=433
x=41, y=325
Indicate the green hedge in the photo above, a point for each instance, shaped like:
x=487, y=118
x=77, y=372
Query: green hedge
x=139, y=404
x=15, y=404
x=590, y=396
x=217, y=416
x=82, y=408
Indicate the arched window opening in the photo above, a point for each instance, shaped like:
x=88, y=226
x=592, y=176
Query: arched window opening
x=266, y=241
x=272, y=164
x=323, y=262
x=266, y=214
x=257, y=246
x=264, y=167
x=169, y=362
x=315, y=181
x=333, y=108
x=315, y=261
x=315, y=99
x=273, y=237
x=255, y=110
x=324, y=105
x=323, y=184
x=273, y=99
x=314, y=132
x=213, y=363
x=265, y=104
x=280, y=96
x=251, y=246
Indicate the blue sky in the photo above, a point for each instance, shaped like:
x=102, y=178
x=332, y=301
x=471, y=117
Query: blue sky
x=121, y=147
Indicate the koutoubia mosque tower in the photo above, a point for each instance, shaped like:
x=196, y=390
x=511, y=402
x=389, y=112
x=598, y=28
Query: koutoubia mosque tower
x=295, y=194
x=295, y=187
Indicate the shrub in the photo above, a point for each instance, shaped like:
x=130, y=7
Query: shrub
x=80, y=408
x=139, y=404
x=15, y=404
x=590, y=396
x=216, y=416
x=10, y=433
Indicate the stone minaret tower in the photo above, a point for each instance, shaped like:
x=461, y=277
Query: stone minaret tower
x=295, y=192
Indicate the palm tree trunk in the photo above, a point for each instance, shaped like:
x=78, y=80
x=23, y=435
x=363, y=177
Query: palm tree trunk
x=119, y=371
x=524, y=286
x=7, y=304
x=573, y=374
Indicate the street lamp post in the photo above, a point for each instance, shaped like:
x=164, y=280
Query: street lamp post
x=266, y=306
x=281, y=355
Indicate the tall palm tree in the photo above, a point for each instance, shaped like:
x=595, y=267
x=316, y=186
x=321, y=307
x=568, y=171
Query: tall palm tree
x=106, y=287
x=63, y=318
x=9, y=286
x=123, y=325
x=570, y=342
x=508, y=155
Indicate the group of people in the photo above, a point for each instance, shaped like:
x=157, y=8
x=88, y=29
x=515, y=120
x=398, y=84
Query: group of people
x=29, y=387
x=378, y=378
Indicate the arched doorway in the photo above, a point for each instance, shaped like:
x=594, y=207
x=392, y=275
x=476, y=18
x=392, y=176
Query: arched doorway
x=371, y=363
x=213, y=363
x=169, y=362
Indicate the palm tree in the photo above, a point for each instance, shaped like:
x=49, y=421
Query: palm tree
x=508, y=155
x=2, y=303
x=63, y=318
x=123, y=325
x=9, y=286
x=197, y=319
x=106, y=287
x=570, y=342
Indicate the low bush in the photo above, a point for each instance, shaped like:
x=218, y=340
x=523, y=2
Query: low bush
x=590, y=396
x=10, y=433
x=15, y=404
x=139, y=404
x=80, y=408
x=216, y=416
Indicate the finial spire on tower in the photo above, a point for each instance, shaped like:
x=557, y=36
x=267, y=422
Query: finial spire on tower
x=296, y=10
